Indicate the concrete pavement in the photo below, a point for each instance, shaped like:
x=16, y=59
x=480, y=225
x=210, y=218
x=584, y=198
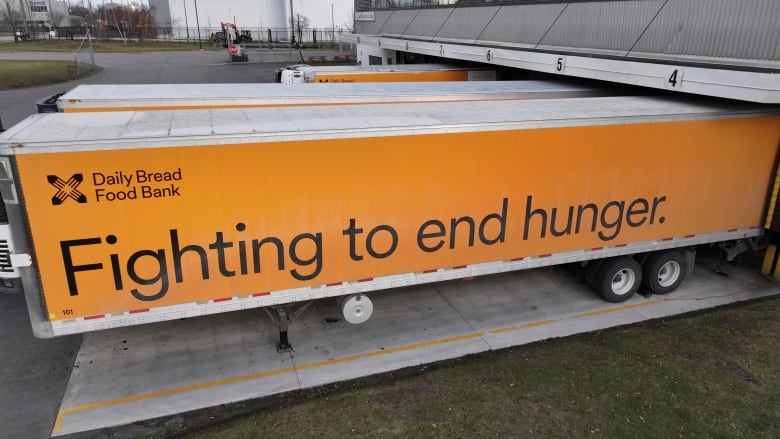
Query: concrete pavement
x=33, y=372
x=132, y=375
x=186, y=67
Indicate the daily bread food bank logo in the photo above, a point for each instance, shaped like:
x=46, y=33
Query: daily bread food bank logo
x=119, y=186
x=66, y=189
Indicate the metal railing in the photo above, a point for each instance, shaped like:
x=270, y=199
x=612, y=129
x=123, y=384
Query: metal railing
x=251, y=36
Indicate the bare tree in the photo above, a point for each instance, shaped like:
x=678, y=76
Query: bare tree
x=11, y=15
x=349, y=20
x=128, y=21
x=300, y=23
x=143, y=22
x=24, y=18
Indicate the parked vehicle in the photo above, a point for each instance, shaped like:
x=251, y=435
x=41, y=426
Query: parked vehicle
x=135, y=97
x=233, y=40
x=278, y=72
x=124, y=218
x=245, y=36
x=387, y=73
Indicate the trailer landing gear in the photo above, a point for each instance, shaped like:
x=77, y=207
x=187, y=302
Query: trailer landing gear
x=282, y=317
x=355, y=309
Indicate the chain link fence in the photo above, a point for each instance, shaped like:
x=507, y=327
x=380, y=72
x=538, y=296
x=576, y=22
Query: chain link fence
x=257, y=36
x=315, y=38
x=85, y=55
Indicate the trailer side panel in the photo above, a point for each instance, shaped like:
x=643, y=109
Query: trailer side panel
x=128, y=230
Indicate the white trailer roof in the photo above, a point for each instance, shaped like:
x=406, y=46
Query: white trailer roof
x=120, y=130
x=391, y=68
x=102, y=97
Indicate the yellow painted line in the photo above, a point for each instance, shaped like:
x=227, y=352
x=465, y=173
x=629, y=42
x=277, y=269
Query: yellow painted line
x=507, y=329
x=166, y=392
x=239, y=379
x=615, y=309
x=209, y=384
x=523, y=326
x=425, y=344
x=329, y=362
x=539, y=323
x=58, y=421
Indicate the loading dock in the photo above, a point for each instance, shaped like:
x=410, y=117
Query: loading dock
x=138, y=373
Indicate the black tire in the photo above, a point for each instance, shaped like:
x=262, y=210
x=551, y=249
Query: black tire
x=664, y=271
x=618, y=279
x=591, y=271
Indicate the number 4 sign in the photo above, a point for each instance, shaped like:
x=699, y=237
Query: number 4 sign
x=674, y=79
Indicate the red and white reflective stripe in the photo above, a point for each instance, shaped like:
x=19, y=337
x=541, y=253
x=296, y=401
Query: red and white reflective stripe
x=335, y=289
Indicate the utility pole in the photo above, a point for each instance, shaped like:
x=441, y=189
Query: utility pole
x=89, y=14
x=332, y=25
x=24, y=19
x=197, y=23
x=186, y=24
x=292, y=25
x=53, y=19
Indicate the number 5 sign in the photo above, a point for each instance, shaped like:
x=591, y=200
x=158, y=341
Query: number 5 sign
x=560, y=64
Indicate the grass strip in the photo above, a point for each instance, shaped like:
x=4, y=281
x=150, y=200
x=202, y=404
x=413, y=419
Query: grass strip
x=104, y=46
x=712, y=374
x=15, y=74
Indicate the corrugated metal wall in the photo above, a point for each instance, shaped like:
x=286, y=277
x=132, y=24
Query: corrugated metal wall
x=740, y=32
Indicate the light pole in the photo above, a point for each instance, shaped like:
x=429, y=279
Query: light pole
x=197, y=23
x=186, y=24
x=292, y=25
x=332, y=26
x=24, y=20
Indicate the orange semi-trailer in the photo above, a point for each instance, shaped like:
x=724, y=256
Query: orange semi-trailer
x=124, y=218
x=145, y=97
x=387, y=73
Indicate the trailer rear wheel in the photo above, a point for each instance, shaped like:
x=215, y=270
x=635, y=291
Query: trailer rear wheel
x=664, y=271
x=592, y=271
x=618, y=279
